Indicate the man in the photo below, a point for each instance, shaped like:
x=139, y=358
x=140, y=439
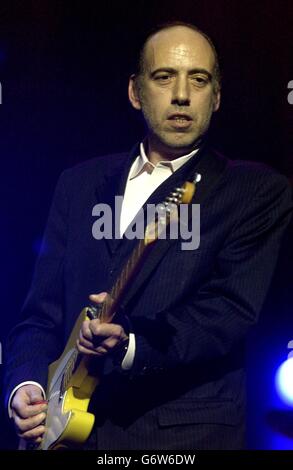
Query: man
x=180, y=382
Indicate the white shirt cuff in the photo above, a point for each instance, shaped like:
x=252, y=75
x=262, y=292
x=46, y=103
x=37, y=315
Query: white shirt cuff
x=130, y=353
x=15, y=390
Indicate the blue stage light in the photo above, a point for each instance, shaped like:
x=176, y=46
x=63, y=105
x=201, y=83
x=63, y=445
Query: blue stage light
x=284, y=381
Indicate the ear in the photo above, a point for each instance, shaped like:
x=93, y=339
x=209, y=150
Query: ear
x=217, y=101
x=133, y=93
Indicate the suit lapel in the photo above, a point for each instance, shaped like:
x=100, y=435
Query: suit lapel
x=158, y=196
x=113, y=184
x=211, y=166
x=206, y=162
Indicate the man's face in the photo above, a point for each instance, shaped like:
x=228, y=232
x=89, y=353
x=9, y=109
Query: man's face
x=176, y=91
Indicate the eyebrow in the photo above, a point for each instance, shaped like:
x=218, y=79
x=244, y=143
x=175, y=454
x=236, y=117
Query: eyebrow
x=190, y=72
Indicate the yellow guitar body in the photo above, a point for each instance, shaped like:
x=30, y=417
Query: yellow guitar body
x=68, y=421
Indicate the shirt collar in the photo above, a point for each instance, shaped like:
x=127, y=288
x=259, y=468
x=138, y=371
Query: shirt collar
x=142, y=162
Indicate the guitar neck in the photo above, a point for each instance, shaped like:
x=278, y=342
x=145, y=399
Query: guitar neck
x=127, y=274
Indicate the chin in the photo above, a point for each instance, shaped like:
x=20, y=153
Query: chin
x=177, y=144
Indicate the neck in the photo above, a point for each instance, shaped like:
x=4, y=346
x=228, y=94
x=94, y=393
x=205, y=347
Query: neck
x=156, y=151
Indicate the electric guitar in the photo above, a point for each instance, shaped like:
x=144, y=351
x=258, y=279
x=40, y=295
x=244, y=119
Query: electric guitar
x=71, y=379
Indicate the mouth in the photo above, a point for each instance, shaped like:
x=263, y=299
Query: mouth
x=180, y=117
x=179, y=120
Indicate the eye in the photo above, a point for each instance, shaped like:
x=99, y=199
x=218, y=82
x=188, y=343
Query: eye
x=200, y=80
x=163, y=77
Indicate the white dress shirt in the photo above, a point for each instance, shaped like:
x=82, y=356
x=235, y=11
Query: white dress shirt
x=143, y=179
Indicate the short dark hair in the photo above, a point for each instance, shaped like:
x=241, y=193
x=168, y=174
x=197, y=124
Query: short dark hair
x=140, y=63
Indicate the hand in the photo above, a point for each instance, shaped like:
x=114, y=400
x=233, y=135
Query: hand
x=99, y=339
x=28, y=416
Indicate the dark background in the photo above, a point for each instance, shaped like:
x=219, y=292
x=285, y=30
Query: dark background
x=64, y=67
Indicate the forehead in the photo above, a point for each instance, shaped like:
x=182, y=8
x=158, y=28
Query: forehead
x=178, y=47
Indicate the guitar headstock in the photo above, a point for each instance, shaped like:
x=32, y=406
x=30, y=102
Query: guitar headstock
x=167, y=211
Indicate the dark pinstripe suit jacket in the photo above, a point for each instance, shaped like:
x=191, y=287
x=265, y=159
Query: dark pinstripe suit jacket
x=190, y=310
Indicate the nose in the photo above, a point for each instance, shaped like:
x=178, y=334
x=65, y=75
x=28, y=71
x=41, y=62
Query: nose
x=181, y=92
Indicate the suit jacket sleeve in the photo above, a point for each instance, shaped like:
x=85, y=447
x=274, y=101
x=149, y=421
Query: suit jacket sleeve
x=36, y=340
x=216, y=317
